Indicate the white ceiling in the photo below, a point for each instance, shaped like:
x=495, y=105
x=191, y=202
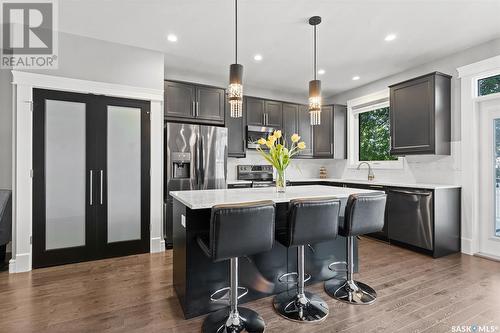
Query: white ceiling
x=350, y=38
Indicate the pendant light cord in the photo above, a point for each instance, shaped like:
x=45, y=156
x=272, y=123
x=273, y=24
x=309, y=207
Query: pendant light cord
x=236, y=31
x=314, y=66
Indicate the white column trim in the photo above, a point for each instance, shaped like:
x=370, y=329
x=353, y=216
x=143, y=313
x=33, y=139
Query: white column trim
x=469, y=108
x=23, y=84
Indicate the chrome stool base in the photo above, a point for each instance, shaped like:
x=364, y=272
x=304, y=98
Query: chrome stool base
x=352, y=292
x=308, y=309
x=249, y=321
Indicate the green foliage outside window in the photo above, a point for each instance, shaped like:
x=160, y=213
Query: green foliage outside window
x=374, y=136
x=489, y=85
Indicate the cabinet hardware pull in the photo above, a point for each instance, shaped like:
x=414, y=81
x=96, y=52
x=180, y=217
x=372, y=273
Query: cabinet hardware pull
x=193, y=109
x=197, y=109
x=91, y=201
x=101, y=172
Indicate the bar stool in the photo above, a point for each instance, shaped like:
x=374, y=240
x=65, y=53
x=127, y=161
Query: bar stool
x=364, y=213
x=309, y=221
x=237, y=230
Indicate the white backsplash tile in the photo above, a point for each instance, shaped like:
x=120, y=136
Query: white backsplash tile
x=429, y=169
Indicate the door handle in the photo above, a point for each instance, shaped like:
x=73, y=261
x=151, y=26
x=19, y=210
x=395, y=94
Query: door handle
x=193, y=109
x=197, y=109
x=91, y=197
x=101, y=182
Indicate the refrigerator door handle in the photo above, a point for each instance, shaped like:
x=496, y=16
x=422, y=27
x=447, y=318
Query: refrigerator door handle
x=202, y=163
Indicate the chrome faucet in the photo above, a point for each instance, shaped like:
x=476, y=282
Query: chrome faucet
x=371, y=175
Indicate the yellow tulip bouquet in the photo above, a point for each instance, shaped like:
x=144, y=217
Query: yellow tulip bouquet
x=279, y=154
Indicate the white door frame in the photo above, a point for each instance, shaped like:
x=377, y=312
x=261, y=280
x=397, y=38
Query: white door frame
x=489, y=244
x=469, y=109
x=23, y=85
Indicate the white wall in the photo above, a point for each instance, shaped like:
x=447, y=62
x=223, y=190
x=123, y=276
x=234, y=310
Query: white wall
x=87, y=59
x=5, y=130
x=427, y=168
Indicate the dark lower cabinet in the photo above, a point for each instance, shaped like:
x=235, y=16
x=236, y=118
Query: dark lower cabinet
x=236, y=134
x=186, y=102
x=421, y=115
x=424, y=220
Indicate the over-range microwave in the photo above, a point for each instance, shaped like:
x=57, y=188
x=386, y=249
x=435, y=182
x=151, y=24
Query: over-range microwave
x=254, y=133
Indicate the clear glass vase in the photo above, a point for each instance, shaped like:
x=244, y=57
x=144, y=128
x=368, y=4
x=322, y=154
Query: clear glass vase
x=280, y=179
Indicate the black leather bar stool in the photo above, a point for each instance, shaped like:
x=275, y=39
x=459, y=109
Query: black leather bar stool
x=235, y=231
x=309, y=221
x=364, y=214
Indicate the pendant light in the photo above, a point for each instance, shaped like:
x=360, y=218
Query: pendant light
x=315, y=85
x=235, y=89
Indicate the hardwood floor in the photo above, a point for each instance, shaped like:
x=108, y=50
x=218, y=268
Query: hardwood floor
x=135, y=294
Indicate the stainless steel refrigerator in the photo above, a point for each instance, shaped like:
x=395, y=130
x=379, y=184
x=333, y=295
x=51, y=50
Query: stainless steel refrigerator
x=195, y=159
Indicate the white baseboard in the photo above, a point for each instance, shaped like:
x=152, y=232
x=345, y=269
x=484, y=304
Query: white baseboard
x=156, y=245
x=22, y=263
x=467, y=246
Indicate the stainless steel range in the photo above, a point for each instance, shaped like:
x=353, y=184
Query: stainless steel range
x=259, y=175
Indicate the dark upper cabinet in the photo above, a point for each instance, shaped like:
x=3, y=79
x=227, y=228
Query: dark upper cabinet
x=210, y=103
x=261, y=112
x=194, y=103
x=296, y=120
x=236, y=133
x=290, y=119
x=255, y=111
x=274, y=114
x=323, y=134
x=179, y=100
x=339, y=131
x=421, y=115
x=304, y=129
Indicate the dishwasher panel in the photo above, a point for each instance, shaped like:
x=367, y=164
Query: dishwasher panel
x=409, y=215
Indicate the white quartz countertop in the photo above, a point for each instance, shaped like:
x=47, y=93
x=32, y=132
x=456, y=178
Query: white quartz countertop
x=366, y=182
x=207, y=198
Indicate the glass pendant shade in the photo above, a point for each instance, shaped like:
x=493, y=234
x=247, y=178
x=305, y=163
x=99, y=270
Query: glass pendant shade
x=235, y=90
x=315, y=102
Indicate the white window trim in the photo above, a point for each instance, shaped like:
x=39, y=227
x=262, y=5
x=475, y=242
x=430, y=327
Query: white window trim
x=353, y=129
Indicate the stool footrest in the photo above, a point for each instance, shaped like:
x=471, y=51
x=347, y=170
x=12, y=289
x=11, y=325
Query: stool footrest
x=333, y=269
x=282, y=278
x=222, y=295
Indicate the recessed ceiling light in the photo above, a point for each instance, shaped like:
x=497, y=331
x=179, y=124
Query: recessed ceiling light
x=172, y=38
x=355, y=78
x=321, y=71
x=390, y=37
x=257, y=57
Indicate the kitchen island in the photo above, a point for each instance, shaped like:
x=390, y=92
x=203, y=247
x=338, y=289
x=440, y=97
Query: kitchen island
x=196, y=277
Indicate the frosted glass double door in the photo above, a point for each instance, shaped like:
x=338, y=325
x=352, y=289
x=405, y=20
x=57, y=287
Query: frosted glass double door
x=90, y=177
